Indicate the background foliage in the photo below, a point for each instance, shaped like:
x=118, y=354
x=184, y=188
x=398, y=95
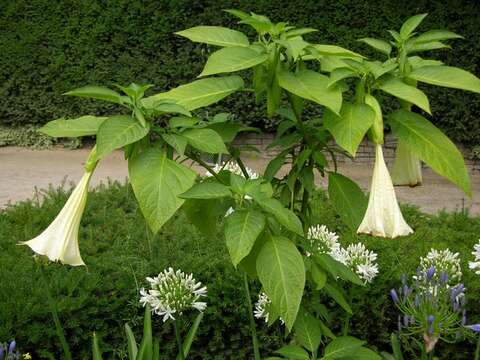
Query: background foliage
x=49, y=47
x=120, y=253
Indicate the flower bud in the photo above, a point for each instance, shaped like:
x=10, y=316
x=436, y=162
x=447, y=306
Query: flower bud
x=393, y=294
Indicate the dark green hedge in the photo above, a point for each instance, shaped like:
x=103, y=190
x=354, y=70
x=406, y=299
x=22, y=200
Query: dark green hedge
x=49, y=47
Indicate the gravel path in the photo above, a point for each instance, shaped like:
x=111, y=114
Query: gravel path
x=22, y=170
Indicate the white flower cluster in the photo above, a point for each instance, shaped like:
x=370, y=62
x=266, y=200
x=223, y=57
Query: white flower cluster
x=234, y=168
x=262, y=308
x=475, y=265
x=443, y=260
x=359, y=259
x=173, y=292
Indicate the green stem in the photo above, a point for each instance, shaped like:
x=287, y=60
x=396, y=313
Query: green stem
x=56, y=319
x=256, y=349
x=179, y=341
x=477, y=351
x=206, y=166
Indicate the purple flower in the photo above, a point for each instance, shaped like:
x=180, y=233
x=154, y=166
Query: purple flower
x=430, y=319
x=430, y=273
x=443, y=277
x=474, y=327
x=457, y=290
x=11, y=347
x=393, y=294
x=464, y=318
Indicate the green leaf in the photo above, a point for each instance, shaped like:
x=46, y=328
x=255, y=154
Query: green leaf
x=363, y=353
x=333, y=50
x=215, y=35
x=312, y=86
x=413, y=47
x=205, y=214
x=170, y=107
x=187, y=343
x=131, y=343
x=97, y=353
x=200, y=93
x=336, y=295
x=319, y=276
x=281, y=271
x=431, y=146
x=307, y=330
x=97, y=92
x=82, y=126
x=145, y=351
x=157, y=182
x=232, y=59
x=293, y=352
x=347, y=198
x=295, y=46
x=182, y=121
x=178, y=142
x=406, y=92
x=205, y=140
x=285, y=217
x=118, y=131
x=410, y=25
x=337, y=269
x=274, y=166
x=339, y=74
x=350, y=127
x=447, y=76
x=436, y=35
x=242, y=228
x=342, y=347
x=207, y=190
x=380, y=45
x=228, y=131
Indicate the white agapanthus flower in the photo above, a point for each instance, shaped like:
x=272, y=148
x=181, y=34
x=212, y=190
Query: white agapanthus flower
x=323, y=241
x=443, y=261
x=262, y=308
x=475, y=265
x=173, y=292
x=361, y=260
x=383, y=216
x=234, y=168
x=59, y=241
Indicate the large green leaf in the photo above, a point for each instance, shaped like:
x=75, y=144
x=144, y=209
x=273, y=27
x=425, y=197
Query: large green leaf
x=337, y=295
x=334, y=50
x=97, y=92
x=307, y=330
x=431, y=146
x=200, y=93
x=347, y=198
x=281, y=271
x=207, y=190
x=205, y=140
x=377, y=44
x=447, y=76
x=215, y=35
x=342, y=347
x=312, y=86
x=157, y=182
x=350, y=127
x=406, y=92
x=242, y=228
x=436, y=35
x=82, y=126
x=232, y=59
x=205, y=213
x=118, y=131
x=285, y=217
x=410, y=25
x=292, y=352
x=178, y=142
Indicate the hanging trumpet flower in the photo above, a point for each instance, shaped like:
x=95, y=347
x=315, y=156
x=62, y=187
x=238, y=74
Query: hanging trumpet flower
x=407, y=169
x=383, y=216
x=59, y=241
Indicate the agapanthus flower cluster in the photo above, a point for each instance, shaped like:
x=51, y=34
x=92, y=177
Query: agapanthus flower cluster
x=444, y=260
x=9, y=351
x=356, y=256
x=234, y=168
x=430, y=307
x=475, y=265
x=173, y=292
x=360, y=260
x=263, y=308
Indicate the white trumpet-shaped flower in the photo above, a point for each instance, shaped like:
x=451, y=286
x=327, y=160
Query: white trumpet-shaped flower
x=59, y=241
x=407, y=169
x=383, y=216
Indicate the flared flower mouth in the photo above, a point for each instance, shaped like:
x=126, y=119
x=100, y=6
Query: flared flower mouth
x=383, y=216
x=59, y=241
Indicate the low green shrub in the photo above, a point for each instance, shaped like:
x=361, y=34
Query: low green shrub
x=120, y=252
x=28, y=136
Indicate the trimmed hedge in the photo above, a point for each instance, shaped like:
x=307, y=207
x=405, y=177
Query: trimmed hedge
x=49, y=47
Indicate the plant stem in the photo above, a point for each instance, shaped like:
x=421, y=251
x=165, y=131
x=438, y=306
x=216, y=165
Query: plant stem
x=179, y=341
x=477, y=351
x=206, y=166
x=256, y=349
x=56, y=319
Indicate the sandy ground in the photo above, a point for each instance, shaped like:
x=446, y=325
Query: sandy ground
x=22, y=170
